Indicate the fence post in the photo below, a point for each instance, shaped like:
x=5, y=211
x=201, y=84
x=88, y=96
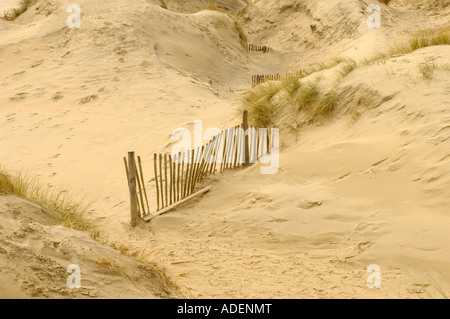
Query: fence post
x=245, y=127
x=132, y=184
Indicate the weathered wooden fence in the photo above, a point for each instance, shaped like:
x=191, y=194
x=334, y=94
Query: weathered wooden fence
x=259, y=48
x=177, y=176
x=261, y=78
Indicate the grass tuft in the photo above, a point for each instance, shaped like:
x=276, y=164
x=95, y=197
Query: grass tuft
x=57, y=204
x=427, y=70
x=422, y=40
x=15, y=13
x=307, y=96
x=259, y=103
x=324, y=107
x=242, y=35
x=348, y=68
x=309, y=101
x=163, y=4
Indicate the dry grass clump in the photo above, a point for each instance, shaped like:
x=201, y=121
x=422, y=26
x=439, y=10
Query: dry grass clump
x=267, y=102
x=148, y=276
x=419, y=41
x=213, y=7
x=163, y=4
x=427, y=70
x=242, y=35
x=259, y=103
x=290, y=103
x=348, y=67
x=14, y=13
x=56, y=203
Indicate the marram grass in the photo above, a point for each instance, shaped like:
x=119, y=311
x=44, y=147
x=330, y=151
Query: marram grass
x=15, y=13
x=56, y=203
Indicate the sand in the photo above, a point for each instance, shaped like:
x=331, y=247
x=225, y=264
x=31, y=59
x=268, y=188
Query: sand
x=348, y=194
x=8, y=4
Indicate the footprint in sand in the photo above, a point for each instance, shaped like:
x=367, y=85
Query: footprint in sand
x=308, y=204
x=57, y=96
x=37, y=63
x=10, y=117
x=366, y=227
x=88, y=99
x=18, y=97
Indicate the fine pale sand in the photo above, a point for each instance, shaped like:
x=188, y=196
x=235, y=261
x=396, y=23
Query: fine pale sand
x=8, y=4
x=348, y=194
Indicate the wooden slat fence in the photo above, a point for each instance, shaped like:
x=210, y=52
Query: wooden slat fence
x=177, y=176
x=259, y=48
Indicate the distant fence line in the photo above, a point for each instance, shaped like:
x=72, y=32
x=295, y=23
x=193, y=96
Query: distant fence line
x=259, y=48
x=262, y=78
x=176, y=177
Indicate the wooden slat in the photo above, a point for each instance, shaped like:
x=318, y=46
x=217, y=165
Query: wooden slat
x=143, y=183
x=169, y=208
x=170, y=179
x=224, y=134
x=160, y=180
x=213, y=154
x=217, y=151
x=200, y=165
x=197, y=161
x=182, y=177
x=246, y=138
x=236, y=141
x=186, y=179
x=132, y=188
x=178, y=175
x=174, y=180
x=141, y=207
x=189, y=186
x=155, y=159
x=165, y=180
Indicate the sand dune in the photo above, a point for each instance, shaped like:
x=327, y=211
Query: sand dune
x=348, y=194
x=35, y=256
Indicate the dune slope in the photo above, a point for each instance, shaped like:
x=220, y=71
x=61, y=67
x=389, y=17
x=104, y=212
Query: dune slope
x=349, y=193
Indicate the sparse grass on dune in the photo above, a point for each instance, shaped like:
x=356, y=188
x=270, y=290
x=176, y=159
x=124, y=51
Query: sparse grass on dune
x=212, y=6
x=15, y=13
x=56, y=203
x=348, y=68
x=149, y=272
x=428, y=69
x=259, y=103
x=237, y=25
x=69, y=213
x=291, y=103
x=320, y=67
x=163, y=4
x=242, y=35
x=315, y=105
x=419, y=41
